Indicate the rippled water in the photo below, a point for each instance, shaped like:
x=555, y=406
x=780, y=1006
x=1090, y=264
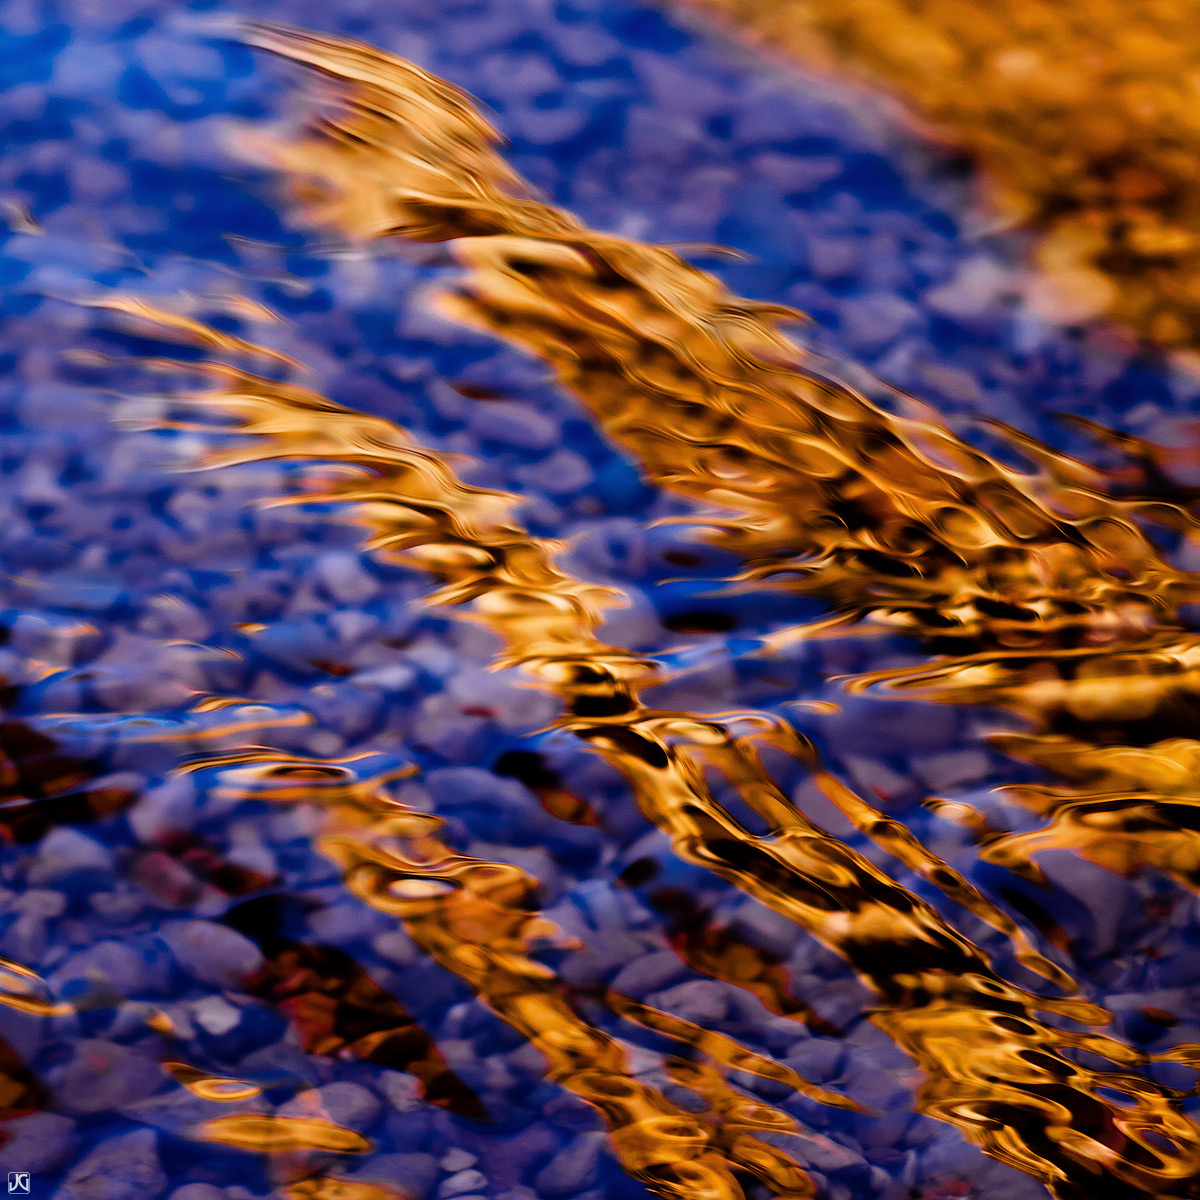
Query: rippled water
x=739, y=777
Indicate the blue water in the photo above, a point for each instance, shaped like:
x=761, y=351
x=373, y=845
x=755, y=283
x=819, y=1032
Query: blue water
x=125, y=581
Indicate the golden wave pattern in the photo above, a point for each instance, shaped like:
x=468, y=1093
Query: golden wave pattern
x=1082, y=118
x=475, y=919
x=423, y=514
x=515, y=602
x=282, y=1135
x=1126, y=806
x=19, y=987
x=720, y=1048
x=1030, y=1106
x=880, y=513
x=885, y=515
x=333, y=1187
x=211, y=1087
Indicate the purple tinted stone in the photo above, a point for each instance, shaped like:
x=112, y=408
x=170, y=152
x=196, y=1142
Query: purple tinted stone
x=104, y=1075
x=649, y=973
x=573, y=1168
x=212, y=953
x=121, y=1168
x=513, y=424
x=64, y=852
x=38, y=1142
x=415, y=1173
x=347, y=1104
x=462, y=1183
x=197, y=1191
x=122, y=965
x=456, y=1159
x=675, y=86
x=518, y=75
x=179, y=1113
x=817, y=1060
x=701, y=1001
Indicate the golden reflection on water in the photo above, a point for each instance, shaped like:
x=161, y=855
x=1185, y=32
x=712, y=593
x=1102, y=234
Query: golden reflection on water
x=211, y=1087
x=990, y=1060
x=1083, y=117
x=1040, y=592
x=475, y=919
x=331, y=1187
x=282, y=1135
